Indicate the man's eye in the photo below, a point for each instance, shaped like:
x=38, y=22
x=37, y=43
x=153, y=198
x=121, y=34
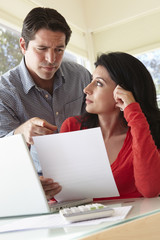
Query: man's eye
x=41, y=49
x=59, y=50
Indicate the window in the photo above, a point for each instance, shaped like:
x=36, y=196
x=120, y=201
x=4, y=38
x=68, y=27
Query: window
x=151, y=60
x=10, y=54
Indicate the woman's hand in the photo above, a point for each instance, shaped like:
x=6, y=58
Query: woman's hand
x=50, y=187
x=122, y=97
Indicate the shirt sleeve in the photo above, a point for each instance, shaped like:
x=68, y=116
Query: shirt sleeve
x=146, y=156
x=8, y=119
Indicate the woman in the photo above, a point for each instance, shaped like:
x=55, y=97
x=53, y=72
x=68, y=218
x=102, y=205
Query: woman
x=121, y=99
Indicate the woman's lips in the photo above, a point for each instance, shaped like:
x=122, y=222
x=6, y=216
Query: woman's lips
x=88, y=101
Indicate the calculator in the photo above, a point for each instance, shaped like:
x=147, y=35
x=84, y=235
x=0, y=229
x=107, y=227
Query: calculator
x=86, y=212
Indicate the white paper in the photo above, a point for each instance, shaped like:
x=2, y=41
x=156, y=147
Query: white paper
x=78, y=161
x=56, y=221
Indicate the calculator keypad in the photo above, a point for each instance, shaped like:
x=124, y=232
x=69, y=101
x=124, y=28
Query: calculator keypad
x=86, y=212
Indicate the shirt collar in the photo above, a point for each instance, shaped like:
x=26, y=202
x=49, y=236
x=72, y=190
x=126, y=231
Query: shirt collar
x=28, y=82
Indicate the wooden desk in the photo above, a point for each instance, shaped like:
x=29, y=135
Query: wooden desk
x=145, y=228
x=143, y=222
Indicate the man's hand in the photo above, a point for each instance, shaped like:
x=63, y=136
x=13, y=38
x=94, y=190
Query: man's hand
x=35, y=127
x=50, y=187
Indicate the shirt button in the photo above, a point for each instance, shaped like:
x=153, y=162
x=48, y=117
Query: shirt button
x=57, y=113
x=46, y=95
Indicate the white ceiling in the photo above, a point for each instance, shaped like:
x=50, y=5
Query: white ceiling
x=97, y=25
x=108, y=13
x=92, y=15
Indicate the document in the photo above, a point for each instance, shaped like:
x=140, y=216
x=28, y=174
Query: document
x=56, y=221
x=78, y=161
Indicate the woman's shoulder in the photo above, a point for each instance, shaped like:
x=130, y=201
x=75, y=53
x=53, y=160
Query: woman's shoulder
x=71, y=124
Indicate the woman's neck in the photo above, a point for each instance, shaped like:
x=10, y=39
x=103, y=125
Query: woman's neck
x=114, y=133
x=112, y=125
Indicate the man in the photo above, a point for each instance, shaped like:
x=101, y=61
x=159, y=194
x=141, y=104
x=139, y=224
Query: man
x=42, y=91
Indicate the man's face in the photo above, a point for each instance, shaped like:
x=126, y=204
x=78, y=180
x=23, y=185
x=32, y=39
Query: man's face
x=44, y=54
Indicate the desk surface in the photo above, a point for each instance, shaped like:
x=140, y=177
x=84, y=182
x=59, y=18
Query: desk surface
x=142, y=208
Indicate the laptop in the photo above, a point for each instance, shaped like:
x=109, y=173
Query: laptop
x=20, y=188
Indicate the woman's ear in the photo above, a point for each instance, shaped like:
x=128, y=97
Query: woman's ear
x=22, y=45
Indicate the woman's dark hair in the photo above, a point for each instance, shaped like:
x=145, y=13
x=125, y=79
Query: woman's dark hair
x=47, y=18
x=128, y=72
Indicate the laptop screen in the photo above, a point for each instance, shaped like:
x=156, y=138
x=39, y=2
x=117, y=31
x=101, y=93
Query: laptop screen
x=21, y=190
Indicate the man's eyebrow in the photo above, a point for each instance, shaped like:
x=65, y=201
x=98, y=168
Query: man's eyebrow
x=40, y=45
x=61, y=46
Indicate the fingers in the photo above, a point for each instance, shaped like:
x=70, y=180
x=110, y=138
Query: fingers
x=44, y=124
x=35, y=127
x=118, y=95
x=51, y=193
x=122, y=97
x=50, y=187
x=41, y=127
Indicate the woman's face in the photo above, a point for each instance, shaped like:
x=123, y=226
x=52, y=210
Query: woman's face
x=99, y=93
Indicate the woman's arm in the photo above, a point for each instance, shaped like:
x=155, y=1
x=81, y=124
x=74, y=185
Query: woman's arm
x=70, y=124
x=146, y=156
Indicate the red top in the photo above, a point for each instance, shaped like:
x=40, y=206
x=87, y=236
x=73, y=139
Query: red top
x=137, y=168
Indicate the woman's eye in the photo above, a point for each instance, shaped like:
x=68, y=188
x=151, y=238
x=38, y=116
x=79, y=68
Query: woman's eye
x=99, y=84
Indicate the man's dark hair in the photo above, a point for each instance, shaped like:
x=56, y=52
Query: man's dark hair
x=46, y=18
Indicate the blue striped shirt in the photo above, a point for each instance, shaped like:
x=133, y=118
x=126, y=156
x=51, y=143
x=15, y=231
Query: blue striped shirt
x=21, y=99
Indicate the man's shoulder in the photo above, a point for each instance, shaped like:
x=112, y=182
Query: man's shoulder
x=73, y=66
x=10, y=81
x=11, y=74
x=74, y=71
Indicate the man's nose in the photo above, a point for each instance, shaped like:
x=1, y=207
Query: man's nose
x=51, y=56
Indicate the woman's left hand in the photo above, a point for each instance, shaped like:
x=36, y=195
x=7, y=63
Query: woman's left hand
x=122, y=97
